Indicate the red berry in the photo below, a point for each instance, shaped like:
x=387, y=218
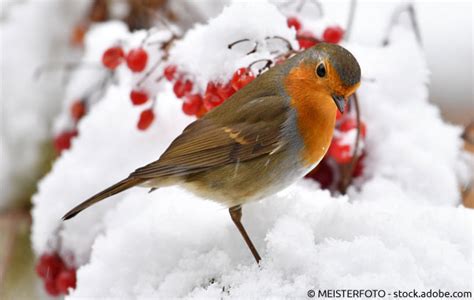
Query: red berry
x=351, y=123
x=338, y=114
x=341, y=153
x=202, y=111
x=169, y=72
x=359, y=167
x=51, y=288
x=78, y=110
x=333, y=34
x=63, y=140
x=192, y=104
x=66, y=279
x=306, y=40
x=225, y=90
x=49, y=266
x=212, y=100
x=138, y=97
x=137, y=59
x=293, y=22
x=323, y=174
x=146, y=118
x=241, y=78
x=113, y=57
x=182, y=88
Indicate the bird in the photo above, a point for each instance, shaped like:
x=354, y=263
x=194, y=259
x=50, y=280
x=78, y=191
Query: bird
x=262, y=139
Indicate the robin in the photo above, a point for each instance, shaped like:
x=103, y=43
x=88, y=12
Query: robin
x=262, y=139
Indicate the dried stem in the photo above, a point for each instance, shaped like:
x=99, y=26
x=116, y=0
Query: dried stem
x=348, y=171
x=350, y=20
x=269, y=62
x=231, y=45
x=288, y=44
x=413, y=22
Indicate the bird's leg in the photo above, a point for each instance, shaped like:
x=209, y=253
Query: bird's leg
x=236, y=215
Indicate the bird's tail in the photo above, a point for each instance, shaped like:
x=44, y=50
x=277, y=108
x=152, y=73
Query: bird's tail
x=110, y=191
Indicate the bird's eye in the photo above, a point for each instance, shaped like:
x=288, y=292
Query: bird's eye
x=321, y=70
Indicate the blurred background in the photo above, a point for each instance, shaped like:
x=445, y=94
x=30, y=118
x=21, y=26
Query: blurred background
x=39, y=33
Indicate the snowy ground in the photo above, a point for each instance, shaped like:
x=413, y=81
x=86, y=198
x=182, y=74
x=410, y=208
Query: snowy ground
x=400, y=227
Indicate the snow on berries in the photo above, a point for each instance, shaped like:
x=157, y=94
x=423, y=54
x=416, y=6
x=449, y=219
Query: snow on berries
x=57, y=277
x=113, y=57
x=63, y=140
x=241, y=78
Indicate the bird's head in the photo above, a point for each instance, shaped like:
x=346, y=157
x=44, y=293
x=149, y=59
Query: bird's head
x=329, y=69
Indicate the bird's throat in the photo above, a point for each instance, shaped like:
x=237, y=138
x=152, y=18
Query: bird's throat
x=315, y=111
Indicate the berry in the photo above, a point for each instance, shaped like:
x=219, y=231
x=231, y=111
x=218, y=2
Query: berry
x=350, y=124
x=323, y=174
x=338, y=114
x=359, y=167
x=306, y=40
x=66, y=279
x=146, y=118
x=212, y=100
x=77, y=35
x=182, y=88
x=51, y=288
x=78, y=110
x=241, y=78
x=113, y=57
x=225, y=91
x=49, y=266
x=333, y=34
x=137, y=59
x=293, y=22
x=169, y=72
x=192, y=104
x=341, y=153
x=202, y=111
x=138, y=97
x=63, y=140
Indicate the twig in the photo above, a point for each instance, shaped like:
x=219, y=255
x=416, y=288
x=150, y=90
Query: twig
x=348, y=172
x=269, y=62
x=231, y=45
x=413, y=22
x=276, y=37
x=350, y=19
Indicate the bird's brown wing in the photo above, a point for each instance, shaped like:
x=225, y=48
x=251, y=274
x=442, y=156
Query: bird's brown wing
x=225, y=137
x=236, y=131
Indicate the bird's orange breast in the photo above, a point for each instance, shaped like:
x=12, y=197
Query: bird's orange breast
x=316, y=112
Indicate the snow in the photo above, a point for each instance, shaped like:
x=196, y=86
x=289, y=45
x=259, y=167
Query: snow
x=27, y=106
x=212, y=60
x=400, y=226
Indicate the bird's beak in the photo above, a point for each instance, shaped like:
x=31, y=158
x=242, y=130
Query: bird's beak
x=340, y=102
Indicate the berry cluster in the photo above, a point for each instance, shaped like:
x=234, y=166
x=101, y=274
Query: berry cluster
x=136, y=60
x=62, y=141
x=306, y=39
x=57, y=276
x=197, y=104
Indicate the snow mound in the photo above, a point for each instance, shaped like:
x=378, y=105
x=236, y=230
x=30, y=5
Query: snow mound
x=398, y=228
x=204, y=53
